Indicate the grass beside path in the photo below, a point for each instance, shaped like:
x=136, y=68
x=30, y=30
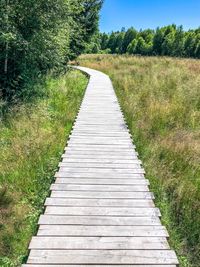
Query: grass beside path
x=160, y=98
x=32, y=139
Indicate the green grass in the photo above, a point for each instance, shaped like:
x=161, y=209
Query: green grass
x=160, y=98
x=32, y=139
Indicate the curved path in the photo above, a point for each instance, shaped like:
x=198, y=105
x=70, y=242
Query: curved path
x=100, y=211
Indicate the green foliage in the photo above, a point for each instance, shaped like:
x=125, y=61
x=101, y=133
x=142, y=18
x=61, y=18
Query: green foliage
x=128, y=37
x=169, y=41
x=142, y=47
x=41, y=35
x=32, y=138
x=132, y=48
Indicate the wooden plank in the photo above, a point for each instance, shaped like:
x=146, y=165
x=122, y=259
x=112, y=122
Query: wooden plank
x=97, y=187
x=105, y=128
x=74, y=202
x=101, y=194
x=103, y=160
x=102, y=256
x=98, y=220
x=77, y=242
x=119, y=153
x=99, y=147
x=123, y=138
x=95, y=265
x=124, y=134
x=106, y=142
x=112, y=171
x=107, y=175
x=100, y=134
x=99, y=165
x=101, y=230
x=98, y=157
x=96, y=152
x=102, y=211
x=100, y=125
x=93, y=117
x=101, y=154
x=102, y=181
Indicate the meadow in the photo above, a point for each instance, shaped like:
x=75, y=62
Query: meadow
x=32, y=138
x=160, y=98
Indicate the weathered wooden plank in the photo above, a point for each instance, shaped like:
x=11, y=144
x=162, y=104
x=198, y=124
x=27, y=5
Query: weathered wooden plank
x=119, y=154
x=97, y=187
x=95, y=265
x=74, y=202
x=101, y=119
x=99, y=128
x=99, y=165
x=100, y=148
x=103, y=142
x=103, y=160
x=108, y=126
x=105, y=127
x=107, y=175
x=98, y=242
x=98, y=220
x=112, y=171
x=92, y=152
x=101, y=230
x=99, y=125
x=100, y=134
x=123, y=138
x=98, y=157
x=103, y=256
x=102, y=211
x=101, y=194
x=102, y=181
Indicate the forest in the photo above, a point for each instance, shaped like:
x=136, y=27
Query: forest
x=170, y=40
x=38, y=36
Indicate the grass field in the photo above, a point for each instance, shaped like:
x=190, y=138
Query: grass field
x=160, y=98
x=32, y=139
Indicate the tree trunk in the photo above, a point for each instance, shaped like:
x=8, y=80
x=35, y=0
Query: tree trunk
x=6, y=60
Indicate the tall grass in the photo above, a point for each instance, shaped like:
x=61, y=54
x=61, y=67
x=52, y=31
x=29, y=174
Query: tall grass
x=160, y=98
x=32, y=139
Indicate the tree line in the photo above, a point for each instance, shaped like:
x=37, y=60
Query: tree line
x=170, y=40
x=37, y=36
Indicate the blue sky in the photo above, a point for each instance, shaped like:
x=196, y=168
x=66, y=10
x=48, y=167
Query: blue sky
x=144, y=14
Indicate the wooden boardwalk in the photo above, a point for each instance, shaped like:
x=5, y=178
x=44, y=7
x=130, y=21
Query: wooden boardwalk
x=100, y=212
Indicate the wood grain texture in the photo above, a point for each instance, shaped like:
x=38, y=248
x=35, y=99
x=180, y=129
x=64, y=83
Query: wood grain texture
x=102, y=181
x=102, y=257
x=90, y=202
x=95, y=265
x=98, y=220
x=102, y=230
x=102, y=194
x=85, y=242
